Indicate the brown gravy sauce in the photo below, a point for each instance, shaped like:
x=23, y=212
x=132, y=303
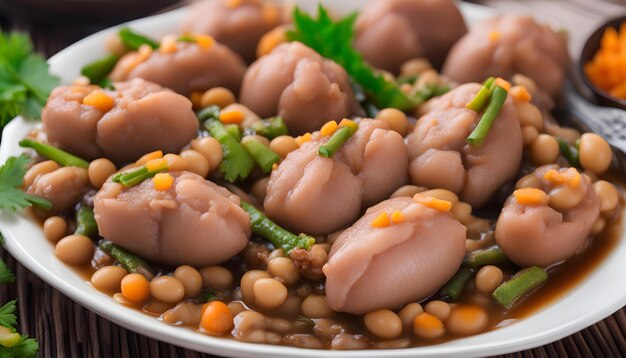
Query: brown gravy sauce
x=561, y=280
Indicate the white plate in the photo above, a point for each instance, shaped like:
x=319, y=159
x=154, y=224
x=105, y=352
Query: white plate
x=600, y=294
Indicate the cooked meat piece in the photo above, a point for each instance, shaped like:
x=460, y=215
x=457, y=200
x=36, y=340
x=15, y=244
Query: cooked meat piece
x=317, y=195
x=191, y=67
x=510, y=44
x=194, y=222
x=391, y=32
x=441, y=157
x=237, y=24
x=372, y=268
x=145, y=117
x=62, y=186
x=296, y=83
x=544, y=234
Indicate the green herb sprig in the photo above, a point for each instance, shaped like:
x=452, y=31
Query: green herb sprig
x=11, y=179
x=334, y=40
x=25, y=83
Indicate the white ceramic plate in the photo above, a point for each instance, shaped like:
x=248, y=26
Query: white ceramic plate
x=599, y=295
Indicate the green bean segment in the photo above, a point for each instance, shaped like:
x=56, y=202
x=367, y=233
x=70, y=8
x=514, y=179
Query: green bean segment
x=521, y=284
x=131, y=262
x=453, y=290
x=86, y=222
x=281, y=238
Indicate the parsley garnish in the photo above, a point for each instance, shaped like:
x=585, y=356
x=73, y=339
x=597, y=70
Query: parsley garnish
x=7, y=314
x=11, y=178
x=333, y=40
x=6, y=276
x=24, y=79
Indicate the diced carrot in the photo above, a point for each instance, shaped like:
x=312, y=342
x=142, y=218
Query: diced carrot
x=494, y=36
x=300, y=140
x=233, y=3
x=270, y=13
x=146, y=157
x=382, y=220
x=232, y=117
x=531, y=196
x=270, y=40
x=502, y=83
x=156, y=164
x=329, y=128
x=433, y=203
x=520, y=94
x=397, y=217
x=571, y=177
x=217, y=318
x=163, y=181
x=348, y=123
x=135, y=287
x=204, y=41
x=99, y=100
x=168, y=44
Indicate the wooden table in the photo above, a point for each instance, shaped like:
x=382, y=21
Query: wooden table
x=66, y=329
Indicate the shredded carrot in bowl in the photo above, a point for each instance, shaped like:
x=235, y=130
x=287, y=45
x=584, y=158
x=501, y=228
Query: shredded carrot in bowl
x=607, y=69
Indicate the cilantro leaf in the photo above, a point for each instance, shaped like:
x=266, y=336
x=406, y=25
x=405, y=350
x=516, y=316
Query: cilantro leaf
x=334, y=40
x=12, y=172
x=7, y=314
x=24, y=79
x=11, y=178
x=6, y=276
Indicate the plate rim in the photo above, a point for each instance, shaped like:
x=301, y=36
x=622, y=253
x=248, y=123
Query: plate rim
x=101, y=303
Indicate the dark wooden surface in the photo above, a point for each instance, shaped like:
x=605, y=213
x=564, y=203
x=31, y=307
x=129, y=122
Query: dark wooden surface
x=66, y=329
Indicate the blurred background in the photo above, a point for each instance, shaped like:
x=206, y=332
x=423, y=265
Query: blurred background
x=54, y=24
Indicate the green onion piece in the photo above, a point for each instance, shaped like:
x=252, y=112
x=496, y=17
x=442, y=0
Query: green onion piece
x=270, y=128
x=131, y=262
x=98, y=70
x=275, y=234
x=210, y=112
x=85, y=222
x=431, y=91
x=479, y=102
x=107, y=83
x=477, y=137
x=452, y=291
x=521, y=284
x=53, y=153
x=236, y=162
x=336, y=141
x=234, y=131
x=262, y=155
x=134, y=40
x=569, y=152
x=493, y=256
x=136, y=176
x=186, y=38
x=404, y=79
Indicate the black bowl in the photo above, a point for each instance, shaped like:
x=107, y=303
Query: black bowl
x=589, y=50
